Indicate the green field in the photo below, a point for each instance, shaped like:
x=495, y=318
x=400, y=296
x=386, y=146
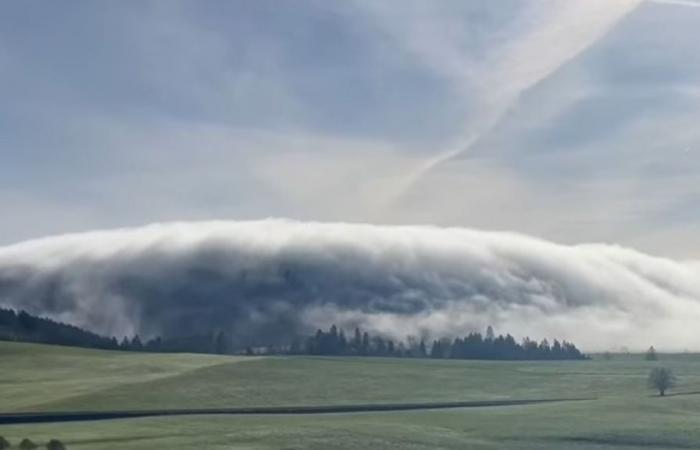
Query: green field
x=623, y=415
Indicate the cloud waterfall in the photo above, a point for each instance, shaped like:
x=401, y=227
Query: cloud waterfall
x=275, y=278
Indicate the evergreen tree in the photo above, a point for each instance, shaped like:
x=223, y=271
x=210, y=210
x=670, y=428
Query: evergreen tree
x=317, y=343
x=544, y=350
x=530, y=348
x=364, y=350
x=296, y=347
x=154, y=345
x=435, y=350
x=650, y=355
x=125, y=345
x=357, y=342
x=380, y=346
x=490, y=335
x=401, y=350
x=221, y=343
x=136, y=343
x=333, y=341
x=342, y=343
x=26, y=321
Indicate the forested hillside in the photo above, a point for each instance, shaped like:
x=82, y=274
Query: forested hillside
x=22, y=326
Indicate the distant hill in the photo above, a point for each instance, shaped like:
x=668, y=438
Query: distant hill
x=24, y=327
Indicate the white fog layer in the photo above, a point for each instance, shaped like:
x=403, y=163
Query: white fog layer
x=272, y=279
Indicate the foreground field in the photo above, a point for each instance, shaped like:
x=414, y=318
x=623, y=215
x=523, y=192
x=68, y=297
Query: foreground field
x=623, y=415
x=645, y=423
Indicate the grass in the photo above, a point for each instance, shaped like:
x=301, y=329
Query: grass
x=624, y=416
x=32, y=375
x=647, y=423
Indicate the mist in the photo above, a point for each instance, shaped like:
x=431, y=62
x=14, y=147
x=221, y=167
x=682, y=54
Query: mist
x=265, y=281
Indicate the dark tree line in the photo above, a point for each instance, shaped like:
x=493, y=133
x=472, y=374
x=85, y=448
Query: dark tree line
x=24, y=327
x=216, y=343
x=334, y=342
x=473, y=346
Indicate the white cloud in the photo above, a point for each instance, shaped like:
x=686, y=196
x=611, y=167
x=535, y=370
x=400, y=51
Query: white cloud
x=278, y=276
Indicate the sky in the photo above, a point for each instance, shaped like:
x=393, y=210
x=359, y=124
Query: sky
x=573, y=121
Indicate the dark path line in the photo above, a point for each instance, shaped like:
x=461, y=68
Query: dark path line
x=678, y=394
x=76, y=416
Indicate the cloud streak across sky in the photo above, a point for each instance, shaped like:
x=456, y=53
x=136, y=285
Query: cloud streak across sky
x=280, y=277
x=688, y=3
x=176, y=111
x=550, y=35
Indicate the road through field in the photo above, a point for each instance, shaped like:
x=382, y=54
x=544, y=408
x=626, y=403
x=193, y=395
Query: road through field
x=76, y=416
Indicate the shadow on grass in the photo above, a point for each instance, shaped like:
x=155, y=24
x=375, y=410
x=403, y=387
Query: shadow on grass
x=630, y=440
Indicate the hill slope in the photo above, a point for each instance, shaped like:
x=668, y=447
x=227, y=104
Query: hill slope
x=625, y=415
x=45, y=378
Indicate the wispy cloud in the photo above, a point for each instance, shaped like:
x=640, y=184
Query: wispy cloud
x=554, y=33
x=689, y=3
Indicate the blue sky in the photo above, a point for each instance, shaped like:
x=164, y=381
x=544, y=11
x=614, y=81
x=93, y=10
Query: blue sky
x=575, y=121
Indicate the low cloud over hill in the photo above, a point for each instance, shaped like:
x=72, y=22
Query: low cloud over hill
x=271, y=279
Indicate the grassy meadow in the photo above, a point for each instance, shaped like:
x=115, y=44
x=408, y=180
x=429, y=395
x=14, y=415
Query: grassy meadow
x=624, y=413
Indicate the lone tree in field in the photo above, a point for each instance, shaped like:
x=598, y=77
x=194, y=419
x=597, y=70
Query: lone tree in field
x=650, y=355
x=661, y=379
x=4, y=444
